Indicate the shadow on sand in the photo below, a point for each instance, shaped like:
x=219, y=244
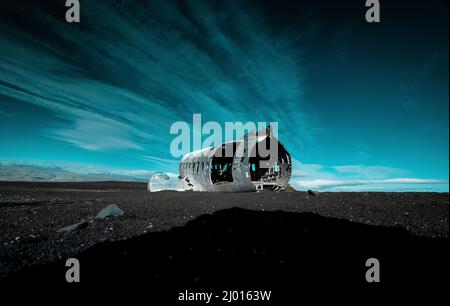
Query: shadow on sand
x=238, y=249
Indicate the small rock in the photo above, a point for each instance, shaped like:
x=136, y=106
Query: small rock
x=111, y=210
x=73, y=227
x=311, y=192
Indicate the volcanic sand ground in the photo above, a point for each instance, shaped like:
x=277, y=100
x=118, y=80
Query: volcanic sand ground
x=31, y=214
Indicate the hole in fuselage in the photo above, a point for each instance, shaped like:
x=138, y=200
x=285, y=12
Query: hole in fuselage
x=222, y=164
x=264, y=170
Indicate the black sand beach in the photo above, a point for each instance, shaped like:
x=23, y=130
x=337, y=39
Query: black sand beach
x=174, y=241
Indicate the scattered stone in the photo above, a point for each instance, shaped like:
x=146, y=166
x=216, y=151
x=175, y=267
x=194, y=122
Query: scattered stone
x=73, y=227
x=311, y=192
x=109, y=211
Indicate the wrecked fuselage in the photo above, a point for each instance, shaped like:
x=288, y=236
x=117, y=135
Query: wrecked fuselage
x=255, y=162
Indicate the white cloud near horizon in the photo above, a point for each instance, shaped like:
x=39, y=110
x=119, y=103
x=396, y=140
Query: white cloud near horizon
x=157, y=159
x=331, y=184
x=316, y=177
x=360, y=178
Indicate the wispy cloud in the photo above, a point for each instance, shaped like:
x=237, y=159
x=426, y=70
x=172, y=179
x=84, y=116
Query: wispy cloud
x=360, y=178
x=371, y=184
x=5, y=114
x=96, y=133
x=369, y=172
x=156, y=159
x=121, y=81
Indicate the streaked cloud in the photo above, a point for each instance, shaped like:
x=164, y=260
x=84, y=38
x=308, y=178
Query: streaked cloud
x=160, y=160
x=405, y=183
x=360, y=178
x=96, y=133
x=5, y=114
x=121, y=81
x=369, y=172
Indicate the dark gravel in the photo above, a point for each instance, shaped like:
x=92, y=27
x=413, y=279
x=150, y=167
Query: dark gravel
x=31, y=214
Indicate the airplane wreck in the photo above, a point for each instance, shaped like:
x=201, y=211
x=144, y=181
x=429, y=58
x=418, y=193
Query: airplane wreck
x=254, y=162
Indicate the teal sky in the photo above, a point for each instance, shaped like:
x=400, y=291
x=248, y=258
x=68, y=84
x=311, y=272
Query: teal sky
x=360, y=106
